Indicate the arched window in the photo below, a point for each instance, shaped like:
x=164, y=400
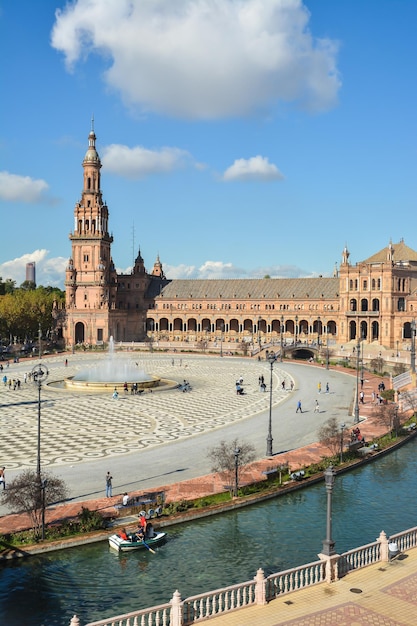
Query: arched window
x=375, y=304
x=364, y=304
x=353, y=305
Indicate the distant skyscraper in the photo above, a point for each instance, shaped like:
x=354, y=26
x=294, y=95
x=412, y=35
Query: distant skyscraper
x=31, y=272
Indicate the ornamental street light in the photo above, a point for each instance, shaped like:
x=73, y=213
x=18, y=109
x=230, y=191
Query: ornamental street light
x=282, y=338
x=39, y=374
x=259, y=333
x=271, y=359
x=327, y=346
x=318, y=334
x=236, y=489
x=328, y=543
x=342, y=428
x=413, y=346
x=221, y=339
x=296, y=329
x=358, y=351
x=43, y=486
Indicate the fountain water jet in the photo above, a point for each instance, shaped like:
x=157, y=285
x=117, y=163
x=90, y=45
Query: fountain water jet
x=112, y=373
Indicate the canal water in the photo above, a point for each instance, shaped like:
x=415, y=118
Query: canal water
x=95, y=582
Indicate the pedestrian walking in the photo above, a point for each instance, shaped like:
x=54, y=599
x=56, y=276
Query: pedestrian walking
x=109, y=488
x=361, y=397
x=327, y=388
x=292, y=385
x=317, y=407
x=319, y=387
x=299, y=408
x=2, y=477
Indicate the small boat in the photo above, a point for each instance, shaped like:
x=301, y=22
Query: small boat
x=133, y=543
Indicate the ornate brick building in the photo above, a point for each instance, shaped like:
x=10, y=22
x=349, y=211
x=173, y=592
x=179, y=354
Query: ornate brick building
x=374, y=300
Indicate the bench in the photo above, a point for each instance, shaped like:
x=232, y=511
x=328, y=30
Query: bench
x=150, y=503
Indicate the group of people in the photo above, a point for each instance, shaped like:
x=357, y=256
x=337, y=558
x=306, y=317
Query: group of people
x=356, y=435
x=144, y=531
x=239, y=388
x=11, y=383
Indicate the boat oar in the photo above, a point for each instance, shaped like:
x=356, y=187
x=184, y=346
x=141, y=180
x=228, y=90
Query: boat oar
x=148, y=547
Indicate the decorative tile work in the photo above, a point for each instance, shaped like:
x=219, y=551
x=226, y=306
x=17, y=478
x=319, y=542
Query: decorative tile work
x=348, y=614
x=405, y=589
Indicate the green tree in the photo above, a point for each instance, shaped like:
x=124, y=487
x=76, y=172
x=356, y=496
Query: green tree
x=22, y=311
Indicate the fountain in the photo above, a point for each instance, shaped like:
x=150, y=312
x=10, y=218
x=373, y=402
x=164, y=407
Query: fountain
x=113, y=373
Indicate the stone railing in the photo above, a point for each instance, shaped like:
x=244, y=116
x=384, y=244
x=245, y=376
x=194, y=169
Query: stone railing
x=293, y=579
x=360, y=557
x=261, y=589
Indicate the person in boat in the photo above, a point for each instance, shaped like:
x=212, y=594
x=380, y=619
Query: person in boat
x=142, y=525
x=123, y=535
x=140, y=534
x=150, y=533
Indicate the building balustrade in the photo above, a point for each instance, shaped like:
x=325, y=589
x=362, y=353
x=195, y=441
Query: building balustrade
x=261, y=589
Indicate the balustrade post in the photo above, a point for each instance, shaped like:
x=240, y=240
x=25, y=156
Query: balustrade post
x=260, y=587
x=176, y=617
x=331, y=565
x=75, y=621
x=383, y=543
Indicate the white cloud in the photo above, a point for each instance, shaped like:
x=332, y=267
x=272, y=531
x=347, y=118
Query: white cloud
x=220, y=270
x=139, y=162
x=203, y=59
x=49, y=271
x=15, y=188
x=255, y=168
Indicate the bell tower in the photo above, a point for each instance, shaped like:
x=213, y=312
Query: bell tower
x=91, y=280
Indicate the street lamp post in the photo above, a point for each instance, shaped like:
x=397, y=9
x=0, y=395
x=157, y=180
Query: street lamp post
x=221, y=339
x=282, y=338
x=342, y=428
x=43, y=488
x=296, y=329
x=271, y=358
x=328, y=543
x=39, y=374
x=327, y=346
x=259, y=334
x=396, y=420
x=413, y=346
x=318, y=334
x=236, y=489
x=358, y=350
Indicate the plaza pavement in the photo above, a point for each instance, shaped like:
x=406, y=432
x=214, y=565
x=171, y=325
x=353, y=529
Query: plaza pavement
x=379, y=595
x=160, y=440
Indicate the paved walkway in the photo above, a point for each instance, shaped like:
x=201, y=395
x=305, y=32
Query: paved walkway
x=384, y=594
x=203, y=376
x=380, y=595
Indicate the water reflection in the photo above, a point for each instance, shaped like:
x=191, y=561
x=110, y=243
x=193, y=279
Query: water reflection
x=95, y=582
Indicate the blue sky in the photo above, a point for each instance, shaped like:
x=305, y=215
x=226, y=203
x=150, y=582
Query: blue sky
x=238, y=137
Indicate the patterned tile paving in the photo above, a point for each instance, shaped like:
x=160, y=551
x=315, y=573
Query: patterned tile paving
x=140, y=421
x=405, y=590
x=348, y=614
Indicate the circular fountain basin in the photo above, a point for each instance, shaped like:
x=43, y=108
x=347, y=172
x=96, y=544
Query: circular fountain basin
x=74, y=384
